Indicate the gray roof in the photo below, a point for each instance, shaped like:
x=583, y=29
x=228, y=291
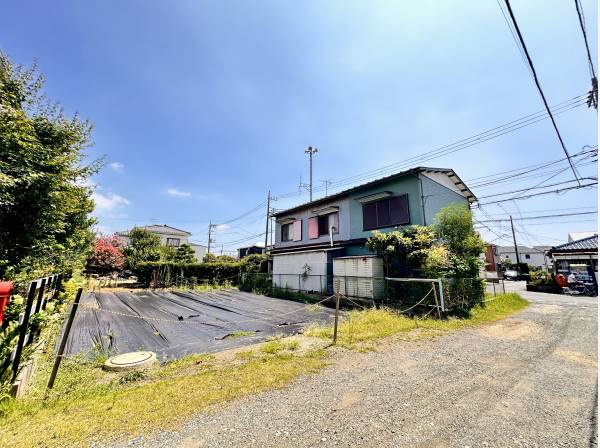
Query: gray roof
x=522, y=249
x=448, y=171
x=583, y=245
x=159, y=228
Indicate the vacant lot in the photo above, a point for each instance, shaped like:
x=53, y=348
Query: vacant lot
x=526, y=381
x=177, y=323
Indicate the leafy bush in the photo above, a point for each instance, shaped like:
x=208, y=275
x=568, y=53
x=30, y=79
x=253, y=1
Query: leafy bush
x=541, y=278
x=255, y=263
x=106, y=256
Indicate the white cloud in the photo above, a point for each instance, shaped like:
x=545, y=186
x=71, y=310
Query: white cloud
x=176, y=192
x=222, y=227
x=108, y=202
x=116, y=166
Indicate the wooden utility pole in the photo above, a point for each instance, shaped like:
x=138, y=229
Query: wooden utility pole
x=268, y=217
x=512, y=226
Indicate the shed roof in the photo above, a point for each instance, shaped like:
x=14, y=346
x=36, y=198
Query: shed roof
x=466, y=192
x=589, y=244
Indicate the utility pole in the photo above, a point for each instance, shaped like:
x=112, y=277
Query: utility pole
x=310, y=151
x=268, y=216
x=210, y=227
x=327, y=182
x=516, y=247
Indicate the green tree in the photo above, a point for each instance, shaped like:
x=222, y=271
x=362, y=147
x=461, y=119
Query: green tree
x=407, y=247
x=45, y=200
x=454, y=229
x=143, y=246
x=255, y=263
x=185, y=254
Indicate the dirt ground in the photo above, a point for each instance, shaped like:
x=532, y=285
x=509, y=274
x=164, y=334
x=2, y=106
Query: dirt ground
x=526, y=381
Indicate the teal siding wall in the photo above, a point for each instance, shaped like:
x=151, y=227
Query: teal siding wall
x=408, y=184
x=436, y=197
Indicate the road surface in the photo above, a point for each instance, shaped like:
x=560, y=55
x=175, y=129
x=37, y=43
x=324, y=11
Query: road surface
x=526, y=381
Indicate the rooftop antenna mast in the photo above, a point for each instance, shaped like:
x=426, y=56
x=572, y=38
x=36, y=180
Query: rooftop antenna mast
x=311, y=151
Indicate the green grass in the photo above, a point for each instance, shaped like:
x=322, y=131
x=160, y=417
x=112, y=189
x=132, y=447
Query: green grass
x=124, y=407
x=359, y=327
x=279, y=345
x=88, y=404
x=239, y=334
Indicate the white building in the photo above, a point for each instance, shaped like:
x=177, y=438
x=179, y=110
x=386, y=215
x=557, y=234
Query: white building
x=169, y=236
x=535, y=256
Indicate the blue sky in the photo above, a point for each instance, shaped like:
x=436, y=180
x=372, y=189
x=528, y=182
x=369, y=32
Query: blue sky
x=201, y=107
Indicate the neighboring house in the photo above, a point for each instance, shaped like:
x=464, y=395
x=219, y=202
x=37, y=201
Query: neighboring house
x=258, y=248
x=580, y=256
x=574, y=236
x=169, y=236
x=310, y=236
x=535, y=256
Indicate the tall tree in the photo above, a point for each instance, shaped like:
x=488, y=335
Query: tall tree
x=143, y=246
x=45, y=198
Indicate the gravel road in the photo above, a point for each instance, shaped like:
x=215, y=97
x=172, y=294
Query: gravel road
x=526, y=381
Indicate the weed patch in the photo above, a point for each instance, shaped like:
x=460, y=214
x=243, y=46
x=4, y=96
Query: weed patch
x=359, y=327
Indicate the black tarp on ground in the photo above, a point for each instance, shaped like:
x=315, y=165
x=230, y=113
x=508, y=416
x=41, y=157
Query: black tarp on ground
x=175, y=324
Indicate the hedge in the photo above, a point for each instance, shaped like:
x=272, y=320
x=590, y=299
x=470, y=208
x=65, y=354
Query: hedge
x=168, y=273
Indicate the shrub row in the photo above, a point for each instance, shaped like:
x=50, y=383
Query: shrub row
x=166, y=273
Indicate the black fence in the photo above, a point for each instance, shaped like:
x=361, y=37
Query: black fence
x=17, y=335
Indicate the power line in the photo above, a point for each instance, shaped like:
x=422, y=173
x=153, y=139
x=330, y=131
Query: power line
x=527, y=169
x=458, y=145
x=559, y=190
x=528, y=218
x=579, y=9
x=539, y=87
x=532, y=188
x=543, y=210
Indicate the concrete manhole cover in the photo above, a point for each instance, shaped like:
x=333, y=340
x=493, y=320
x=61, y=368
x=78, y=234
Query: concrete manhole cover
x=131, y=361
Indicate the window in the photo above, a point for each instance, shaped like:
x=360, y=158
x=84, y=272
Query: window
x=173, y=242
x=292, y=231
x=386, y=212
x=319, y=225
x=287, y=232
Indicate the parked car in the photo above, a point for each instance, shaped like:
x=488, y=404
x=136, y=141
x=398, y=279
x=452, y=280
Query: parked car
x=511, y=275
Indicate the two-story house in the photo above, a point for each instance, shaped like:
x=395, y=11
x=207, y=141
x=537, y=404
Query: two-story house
x=309, y=236
x=169, y=236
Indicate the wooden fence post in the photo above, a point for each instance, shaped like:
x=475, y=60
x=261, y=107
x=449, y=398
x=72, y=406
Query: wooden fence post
x=63, y=341
x=337, y=312
x=23, y=328
x=40, y=297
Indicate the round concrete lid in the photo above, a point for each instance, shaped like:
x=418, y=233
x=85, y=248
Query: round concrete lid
x=131, y=361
